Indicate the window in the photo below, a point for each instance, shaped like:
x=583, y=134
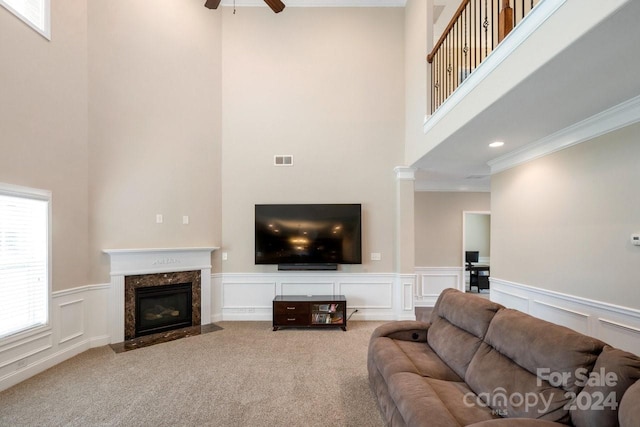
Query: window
x=24, y=259
x=36, y=13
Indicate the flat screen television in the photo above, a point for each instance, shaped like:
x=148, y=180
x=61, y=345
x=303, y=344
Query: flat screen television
x=308, y=236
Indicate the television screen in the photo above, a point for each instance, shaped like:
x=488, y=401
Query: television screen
x=308, y=234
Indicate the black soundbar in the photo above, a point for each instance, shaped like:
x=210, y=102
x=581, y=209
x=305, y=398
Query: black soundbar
x=308, y=267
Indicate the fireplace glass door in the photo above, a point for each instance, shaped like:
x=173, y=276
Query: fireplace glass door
x=163, y=308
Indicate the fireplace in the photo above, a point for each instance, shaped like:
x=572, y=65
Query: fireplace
x=152, y=267
x=162, y=308
x=161, y=302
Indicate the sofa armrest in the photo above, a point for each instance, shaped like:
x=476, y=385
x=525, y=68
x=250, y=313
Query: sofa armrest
x=629, y=411
x=517, y=422
x=405, y=330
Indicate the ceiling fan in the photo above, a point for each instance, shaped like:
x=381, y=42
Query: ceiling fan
x=275, y=5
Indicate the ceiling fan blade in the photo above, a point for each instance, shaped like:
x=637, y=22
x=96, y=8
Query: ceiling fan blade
x=212, y=4
x=275, y=5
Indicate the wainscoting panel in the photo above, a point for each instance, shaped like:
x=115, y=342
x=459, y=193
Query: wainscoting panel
x=250, y=296
x=368, y=295
x=573, y=319
x=78, y=322
x=19, y=351
x=615, y=325
x=239, y=295
x=433, y=280
x=71, y=320
x=295, y=288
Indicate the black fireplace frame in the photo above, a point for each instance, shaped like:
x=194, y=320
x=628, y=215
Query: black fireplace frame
x=160, y=291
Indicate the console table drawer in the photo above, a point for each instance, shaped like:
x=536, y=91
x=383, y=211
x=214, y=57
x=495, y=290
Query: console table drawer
x=291, y=308
x=291, y=319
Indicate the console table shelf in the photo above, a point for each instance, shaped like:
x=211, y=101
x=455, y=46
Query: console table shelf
x=311, y=311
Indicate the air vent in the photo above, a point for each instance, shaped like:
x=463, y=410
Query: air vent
x=283, y=160
x=475, y=176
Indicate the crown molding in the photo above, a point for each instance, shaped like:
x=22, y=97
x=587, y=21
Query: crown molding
x=617, y=117
x=404, y=173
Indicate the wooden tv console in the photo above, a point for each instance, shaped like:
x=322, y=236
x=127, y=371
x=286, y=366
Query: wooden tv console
x=311, y=311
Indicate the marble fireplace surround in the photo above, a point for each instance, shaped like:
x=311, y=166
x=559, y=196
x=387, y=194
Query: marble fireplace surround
x=131, y=283
x=136, y=262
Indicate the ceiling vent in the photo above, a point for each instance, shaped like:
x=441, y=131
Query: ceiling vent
x=475, y=176
x=283, y=160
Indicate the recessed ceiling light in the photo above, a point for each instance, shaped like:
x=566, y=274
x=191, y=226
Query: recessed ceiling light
x=496, y=144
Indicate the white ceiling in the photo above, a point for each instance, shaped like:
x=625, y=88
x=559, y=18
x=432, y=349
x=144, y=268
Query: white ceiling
x=598, y=71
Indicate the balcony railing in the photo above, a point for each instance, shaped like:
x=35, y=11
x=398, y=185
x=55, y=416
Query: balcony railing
x=474, y=31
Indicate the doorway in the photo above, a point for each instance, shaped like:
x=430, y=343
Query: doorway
x=476, y=250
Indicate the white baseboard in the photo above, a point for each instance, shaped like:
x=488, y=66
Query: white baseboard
x=615, y=325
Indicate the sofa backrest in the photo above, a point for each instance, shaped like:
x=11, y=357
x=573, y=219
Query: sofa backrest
x=527, y=367
x=459, y=322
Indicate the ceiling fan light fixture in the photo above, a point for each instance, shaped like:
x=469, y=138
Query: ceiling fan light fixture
x=276, y=5
x=212, y=4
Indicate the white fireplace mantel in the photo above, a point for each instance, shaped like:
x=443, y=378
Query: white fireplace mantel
x=129, y=262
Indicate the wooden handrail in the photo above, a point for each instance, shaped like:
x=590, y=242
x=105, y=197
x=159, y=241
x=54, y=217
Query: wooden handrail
x=446, y=30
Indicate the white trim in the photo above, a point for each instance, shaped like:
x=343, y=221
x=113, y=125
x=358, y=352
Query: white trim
x=404, y=173
x=616, y=325
x=45, y=31
x=127, y=262
x=617, y=117
x=508, y=46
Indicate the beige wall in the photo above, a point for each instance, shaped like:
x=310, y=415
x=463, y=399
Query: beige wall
x=327, y=86
x=438, y=225
x=43, y=126
x=154, y=120
x=417, y=42
x=563, y=222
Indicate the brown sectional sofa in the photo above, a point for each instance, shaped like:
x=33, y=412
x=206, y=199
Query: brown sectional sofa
x=480, y=364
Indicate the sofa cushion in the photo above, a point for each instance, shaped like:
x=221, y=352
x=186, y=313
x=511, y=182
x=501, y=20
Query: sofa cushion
x=614, y=372
x=512, y=391
x=459, y=322
x=528, y=367
x=393, y=356
x=426, y=401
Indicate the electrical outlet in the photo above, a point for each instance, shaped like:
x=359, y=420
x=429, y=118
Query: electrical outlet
x=159, y=219
x=185, y=219
x=376, y=256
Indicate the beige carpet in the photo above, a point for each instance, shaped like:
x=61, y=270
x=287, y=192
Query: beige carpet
x=243, y=375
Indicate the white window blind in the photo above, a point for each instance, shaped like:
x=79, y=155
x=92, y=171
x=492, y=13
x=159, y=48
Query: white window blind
x=24, y=260
x=35, y=13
